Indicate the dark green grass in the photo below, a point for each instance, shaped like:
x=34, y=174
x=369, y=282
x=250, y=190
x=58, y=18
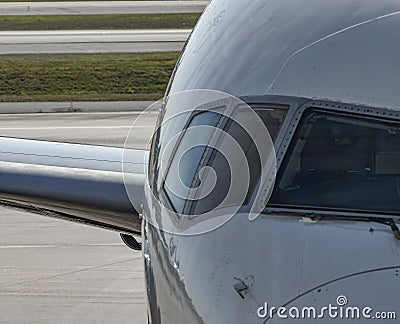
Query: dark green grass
x=129, y=21
x=74, y=77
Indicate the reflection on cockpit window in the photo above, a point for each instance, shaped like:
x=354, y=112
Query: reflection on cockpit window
x=340, y=161
x=185, y=166
x=272, y=118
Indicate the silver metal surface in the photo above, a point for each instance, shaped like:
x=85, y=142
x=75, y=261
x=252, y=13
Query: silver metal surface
x=100, y=7
x=84, y=182
x=333, y=50
x=342, y=52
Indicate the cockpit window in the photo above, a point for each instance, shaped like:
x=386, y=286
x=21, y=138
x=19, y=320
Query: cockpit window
x=340, y=161
x=272, y=116
x=184, y=167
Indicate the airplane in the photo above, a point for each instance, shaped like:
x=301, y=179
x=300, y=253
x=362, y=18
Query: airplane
x=271, y=187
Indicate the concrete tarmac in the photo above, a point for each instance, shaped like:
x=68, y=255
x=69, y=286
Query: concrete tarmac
x=77, y=106
x=54, y=271
x=92, y=41
x=100, y=7
x=110, y=129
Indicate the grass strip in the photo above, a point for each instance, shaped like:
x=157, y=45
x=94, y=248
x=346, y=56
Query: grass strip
x=76, y=22
x=76, y=77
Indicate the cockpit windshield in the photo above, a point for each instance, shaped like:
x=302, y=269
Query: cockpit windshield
x=342, y=162
x=185, y=166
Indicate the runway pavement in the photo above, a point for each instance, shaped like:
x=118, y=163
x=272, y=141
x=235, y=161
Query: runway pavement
x=55, y=272
x=86, y=41
x=100, y=7
x=58, y=272
x=108, y=129
x=78, y=106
